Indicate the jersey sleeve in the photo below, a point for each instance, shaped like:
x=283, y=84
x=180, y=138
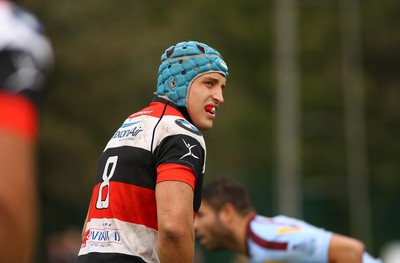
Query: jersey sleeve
x=179, y=157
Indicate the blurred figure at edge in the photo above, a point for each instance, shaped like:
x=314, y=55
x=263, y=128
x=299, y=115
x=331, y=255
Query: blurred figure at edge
x=26, y=58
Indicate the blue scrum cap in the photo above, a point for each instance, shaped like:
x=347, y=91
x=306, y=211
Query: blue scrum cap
x=181, y=64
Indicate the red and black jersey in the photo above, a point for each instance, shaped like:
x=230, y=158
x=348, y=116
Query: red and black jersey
x=155, y=144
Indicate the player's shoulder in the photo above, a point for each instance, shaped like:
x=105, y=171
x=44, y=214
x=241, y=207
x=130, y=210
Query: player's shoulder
x=173, y=122
x=157, y=109
x=261, y=225
x=276, y=224
x=167, y=121
x=290, y=221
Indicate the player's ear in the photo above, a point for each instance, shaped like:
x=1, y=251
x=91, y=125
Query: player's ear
x=227, y=212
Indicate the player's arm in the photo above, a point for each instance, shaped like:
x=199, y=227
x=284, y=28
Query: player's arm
x=175, y=222
x=343, y=249
x=18, y=216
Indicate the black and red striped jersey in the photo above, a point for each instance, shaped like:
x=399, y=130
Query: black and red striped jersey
x=155, y=144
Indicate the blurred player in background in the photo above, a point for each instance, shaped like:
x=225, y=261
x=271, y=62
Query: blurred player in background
x=150, y=174
x=25, y=60
x=226, y=220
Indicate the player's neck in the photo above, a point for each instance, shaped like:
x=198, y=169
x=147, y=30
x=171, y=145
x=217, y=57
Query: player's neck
x=240, y=233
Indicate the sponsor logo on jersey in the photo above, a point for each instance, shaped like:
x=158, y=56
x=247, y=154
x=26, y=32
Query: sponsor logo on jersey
x=284, y=230
x=85, y=238
x=187, y=126
x=123, y=133
x=146, y=112
x=101, y=237
x=129, y=124
x=190, y=147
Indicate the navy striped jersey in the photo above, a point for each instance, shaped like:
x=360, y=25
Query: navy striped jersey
x=153, y=145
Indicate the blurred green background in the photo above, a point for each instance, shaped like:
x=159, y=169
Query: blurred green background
x=107, y=55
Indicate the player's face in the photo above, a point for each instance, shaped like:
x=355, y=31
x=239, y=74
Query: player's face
x=209, y=228
x=203, y=99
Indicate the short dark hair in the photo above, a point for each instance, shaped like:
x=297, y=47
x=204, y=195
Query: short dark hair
x=222, y=190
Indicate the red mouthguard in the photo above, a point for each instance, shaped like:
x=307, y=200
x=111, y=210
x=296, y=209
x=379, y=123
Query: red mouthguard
x=209, y=108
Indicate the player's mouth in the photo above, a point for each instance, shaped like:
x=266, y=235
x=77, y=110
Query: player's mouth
x=210, y=109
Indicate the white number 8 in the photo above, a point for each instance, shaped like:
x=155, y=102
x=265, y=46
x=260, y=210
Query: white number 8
x=101, y=204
